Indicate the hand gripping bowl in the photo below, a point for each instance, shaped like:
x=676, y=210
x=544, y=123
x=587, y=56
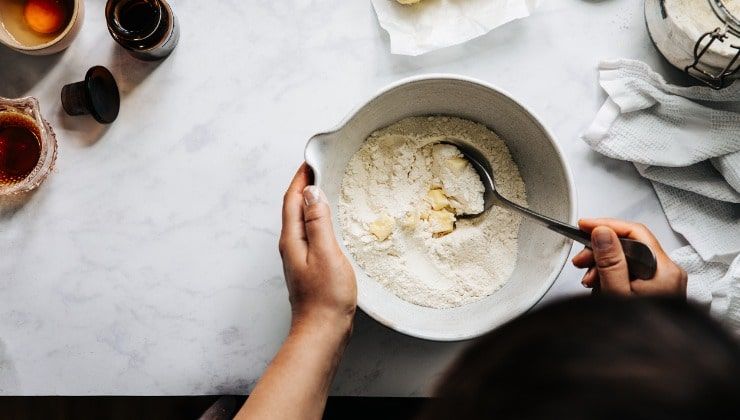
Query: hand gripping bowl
x=549, y=186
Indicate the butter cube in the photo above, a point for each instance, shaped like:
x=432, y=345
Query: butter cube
x=437, y=199
x=441, y=221
x=457, y=164
x=382, y=227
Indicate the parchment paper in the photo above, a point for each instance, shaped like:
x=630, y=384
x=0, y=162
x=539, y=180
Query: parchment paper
x=433, y=24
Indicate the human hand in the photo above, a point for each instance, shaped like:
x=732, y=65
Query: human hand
x=607, y=266
x=323, y=296
x=320, y=279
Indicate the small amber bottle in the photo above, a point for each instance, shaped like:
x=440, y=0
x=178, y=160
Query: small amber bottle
x=148, y=29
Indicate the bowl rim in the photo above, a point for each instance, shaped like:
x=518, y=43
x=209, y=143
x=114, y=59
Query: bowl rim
x=76, y=13
x=572, y=195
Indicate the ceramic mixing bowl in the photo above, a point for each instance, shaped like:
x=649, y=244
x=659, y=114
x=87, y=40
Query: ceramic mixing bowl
x=548, y=182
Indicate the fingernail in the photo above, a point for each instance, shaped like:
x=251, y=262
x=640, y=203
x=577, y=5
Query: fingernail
x=602, y=239
x=311, y=195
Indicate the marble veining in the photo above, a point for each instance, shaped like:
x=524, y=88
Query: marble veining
x=147, y=263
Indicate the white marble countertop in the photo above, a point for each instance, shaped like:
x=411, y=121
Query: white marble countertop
x=147, y=264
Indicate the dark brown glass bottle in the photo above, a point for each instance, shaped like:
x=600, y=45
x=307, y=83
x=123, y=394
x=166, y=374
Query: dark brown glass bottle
x=148, y=29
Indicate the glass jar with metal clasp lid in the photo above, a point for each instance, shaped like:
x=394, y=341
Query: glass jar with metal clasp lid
x=700, y=37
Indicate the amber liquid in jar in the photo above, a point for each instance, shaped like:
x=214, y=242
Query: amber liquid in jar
x=148, y=29
x=20, y=147
x=139, y=16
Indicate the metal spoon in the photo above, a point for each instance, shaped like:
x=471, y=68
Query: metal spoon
x=641, y=259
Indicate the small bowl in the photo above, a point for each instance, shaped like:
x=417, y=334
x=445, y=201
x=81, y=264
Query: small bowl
x=59, y=43
x=549, y=185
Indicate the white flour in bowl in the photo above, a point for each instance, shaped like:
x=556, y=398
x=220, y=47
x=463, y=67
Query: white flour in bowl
x=400, y=196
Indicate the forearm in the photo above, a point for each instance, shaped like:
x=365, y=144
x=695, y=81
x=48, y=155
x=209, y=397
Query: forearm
x=296, y=383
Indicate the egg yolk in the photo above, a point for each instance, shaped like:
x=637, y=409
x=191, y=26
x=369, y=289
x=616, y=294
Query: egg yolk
x=45, y=16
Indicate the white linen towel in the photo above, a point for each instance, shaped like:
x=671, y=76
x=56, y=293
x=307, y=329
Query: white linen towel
x=687, y=143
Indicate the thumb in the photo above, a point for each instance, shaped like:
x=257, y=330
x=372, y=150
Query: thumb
x=317, y=218
x=610, y=261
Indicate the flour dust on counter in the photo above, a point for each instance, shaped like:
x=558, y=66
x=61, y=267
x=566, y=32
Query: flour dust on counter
x=402, y=198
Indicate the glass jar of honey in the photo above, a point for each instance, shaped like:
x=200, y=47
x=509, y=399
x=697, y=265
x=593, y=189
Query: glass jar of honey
x=28, y=146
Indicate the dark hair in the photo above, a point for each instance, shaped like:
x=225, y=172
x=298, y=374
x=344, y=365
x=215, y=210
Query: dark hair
x=597, y=358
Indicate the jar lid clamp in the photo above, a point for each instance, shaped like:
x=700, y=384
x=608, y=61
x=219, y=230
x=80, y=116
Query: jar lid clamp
x=717, y=80
x=715, y=76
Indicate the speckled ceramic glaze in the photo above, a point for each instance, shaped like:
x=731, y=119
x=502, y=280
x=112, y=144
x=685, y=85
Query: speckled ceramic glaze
x=550, y=191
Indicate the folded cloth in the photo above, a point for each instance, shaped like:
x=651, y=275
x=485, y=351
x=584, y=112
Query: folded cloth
x=685, y=141
x=712, y=227
x=713, y=284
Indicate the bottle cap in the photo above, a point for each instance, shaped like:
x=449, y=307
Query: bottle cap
x=97, y=95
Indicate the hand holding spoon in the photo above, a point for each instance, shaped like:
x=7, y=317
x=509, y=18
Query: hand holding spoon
x=641, y=259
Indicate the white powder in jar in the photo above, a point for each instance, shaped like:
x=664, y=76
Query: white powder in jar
x=397, y=229
x=696, y=17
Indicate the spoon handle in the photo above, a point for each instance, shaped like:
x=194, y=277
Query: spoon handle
x=641, y=261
